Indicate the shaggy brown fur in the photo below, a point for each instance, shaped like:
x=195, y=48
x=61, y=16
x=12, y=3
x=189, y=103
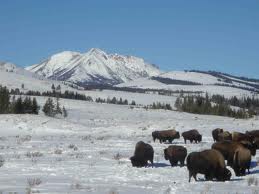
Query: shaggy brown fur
x=254, y=133
x=175, y=154
x=192, y=135
x=225, y=136
x=228, y=148
x=241, y=161
x=166, y=135
x=211, y=163
x=237, y=136
x=143, y=153
x=215, y=134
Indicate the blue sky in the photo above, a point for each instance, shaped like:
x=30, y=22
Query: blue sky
x=175, y=35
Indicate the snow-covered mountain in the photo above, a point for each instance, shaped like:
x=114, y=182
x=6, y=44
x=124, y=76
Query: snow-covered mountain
x=94, y=67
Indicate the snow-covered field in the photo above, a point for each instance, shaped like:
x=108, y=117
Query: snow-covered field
x=89, y=151
x=211, y=89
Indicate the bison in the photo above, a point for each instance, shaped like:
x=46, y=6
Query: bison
x=143, y=153
x=256, y=142
x=228, y=148
x=175, y=154
x=211, y=163
x=225, y=136
x=237, y=136
x=254, y=133
x=166, y=135
x=241, y=161
x=215, y=134
x=192, y=135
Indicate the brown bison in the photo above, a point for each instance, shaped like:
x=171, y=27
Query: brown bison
x=228, y=148
x=256, y=142
x=211, y=163
x=175, y=154
x=254, y=133
x=166, y=135
x=225, y=136
x=192, y=135
x=215, y=134
x=241, y=161
x=237, y=136
x=143, y=153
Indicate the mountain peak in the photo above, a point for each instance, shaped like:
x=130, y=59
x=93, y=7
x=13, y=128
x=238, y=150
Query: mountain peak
x=93, y=67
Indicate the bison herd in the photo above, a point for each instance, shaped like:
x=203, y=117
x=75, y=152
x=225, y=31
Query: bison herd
x=236, y=148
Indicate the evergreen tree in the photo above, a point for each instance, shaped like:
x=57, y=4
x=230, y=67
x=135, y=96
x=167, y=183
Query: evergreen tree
x=133, y=103
x=35, y=107
x=4, y=100
x=18, y=106
x=125, y=102
x=57, y=108
x=53, y=87
x=27, y=105
x=58, y=88
x=49, y=108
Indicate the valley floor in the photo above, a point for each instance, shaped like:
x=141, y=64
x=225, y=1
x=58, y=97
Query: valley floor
x=89, y=151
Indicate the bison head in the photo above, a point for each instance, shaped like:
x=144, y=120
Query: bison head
x=136, y=162
x=199, y=138
x=226, y=175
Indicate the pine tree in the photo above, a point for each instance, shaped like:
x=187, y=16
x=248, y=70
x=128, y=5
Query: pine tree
x=18, y=106
x=49, y=108
x=53, y=87
x=58, y=88
x=178, y=103
x=27, y=105
x=4, y=100
x=57, y=108
x=35, y=107
x=133, y=103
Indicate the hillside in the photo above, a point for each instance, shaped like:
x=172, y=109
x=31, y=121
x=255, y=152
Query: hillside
x=196, y=81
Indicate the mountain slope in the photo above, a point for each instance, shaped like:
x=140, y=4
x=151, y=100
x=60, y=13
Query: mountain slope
x=94, y=67
x=211, y=82
x=14, y=77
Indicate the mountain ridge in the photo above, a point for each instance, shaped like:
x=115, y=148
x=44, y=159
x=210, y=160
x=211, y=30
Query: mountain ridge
x=93, y=67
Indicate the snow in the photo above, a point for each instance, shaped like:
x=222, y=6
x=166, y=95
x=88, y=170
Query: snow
x=13, y=80
x=92, y=65
x=206, y=81
x=200, y=78
x=101, y=132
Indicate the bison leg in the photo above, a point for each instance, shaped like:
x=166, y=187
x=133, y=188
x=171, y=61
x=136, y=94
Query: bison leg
x=184, y=140
x=208, y=176
x=182, y=163
x=173, y=162
x=190, y=176
x=152, y=162
x=160, y=140
x=191, y=140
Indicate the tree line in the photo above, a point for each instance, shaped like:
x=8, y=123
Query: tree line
x=159, y=105
x=114, y=100
x=206, y=105
x=18, y=105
